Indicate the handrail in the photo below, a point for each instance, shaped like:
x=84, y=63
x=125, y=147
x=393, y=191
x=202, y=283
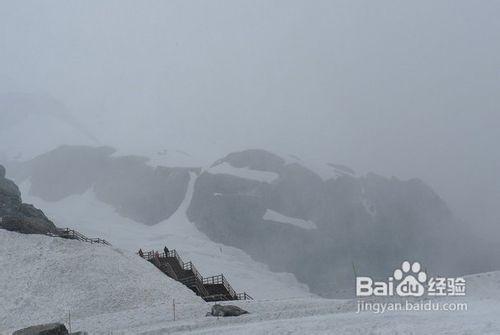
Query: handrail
x=230, y=289
x=213, y=280
x=244, y=296
x=189, y=266
x=220, y=280
x=149, y=255
x=75, y=235
x=174, y=254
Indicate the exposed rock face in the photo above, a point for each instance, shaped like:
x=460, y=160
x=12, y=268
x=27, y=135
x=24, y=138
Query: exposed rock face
x=140, y=192
x=10, y=197
x=67, y=170
x=136, y=190
x=226, y=310
x=47, y=329
x=19, y=217
x=366, y=224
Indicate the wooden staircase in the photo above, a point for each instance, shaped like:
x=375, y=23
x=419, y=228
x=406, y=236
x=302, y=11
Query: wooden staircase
x=215, y=288
x=219, y=288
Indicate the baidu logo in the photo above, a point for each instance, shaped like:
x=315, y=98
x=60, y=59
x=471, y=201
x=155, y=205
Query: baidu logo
x=410, y=280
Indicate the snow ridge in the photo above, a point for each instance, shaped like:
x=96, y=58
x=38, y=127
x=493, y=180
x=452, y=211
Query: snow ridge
x=278, y=217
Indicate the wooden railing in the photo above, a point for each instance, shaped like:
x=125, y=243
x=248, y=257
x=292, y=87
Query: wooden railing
x=244, y=296
x=220, y=280
x=189, y=266
x=74, y=235
x=174, y=254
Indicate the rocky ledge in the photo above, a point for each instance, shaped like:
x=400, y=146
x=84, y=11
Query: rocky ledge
x=17, y=216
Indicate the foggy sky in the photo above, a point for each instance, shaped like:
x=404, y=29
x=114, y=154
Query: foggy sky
x=403, y=88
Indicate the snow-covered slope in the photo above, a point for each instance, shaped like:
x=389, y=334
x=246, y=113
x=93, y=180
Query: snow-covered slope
x=484, y=286
x=329, y=316
x=43, y=278
x=110, y=291
x=94, y=218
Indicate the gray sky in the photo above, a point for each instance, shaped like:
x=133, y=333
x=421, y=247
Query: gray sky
x=404, y=88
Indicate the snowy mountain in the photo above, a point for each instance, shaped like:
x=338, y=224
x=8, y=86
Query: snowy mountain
x=300, y=219
x=320, y=223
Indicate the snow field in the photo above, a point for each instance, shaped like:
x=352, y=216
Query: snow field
x=43, y=278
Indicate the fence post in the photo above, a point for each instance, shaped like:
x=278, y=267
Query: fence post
x=69, y=320
x=173, y=305
x=354, y=270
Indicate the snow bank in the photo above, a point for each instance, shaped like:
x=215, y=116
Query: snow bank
x=328, y=316
x=163, y=157
x=43, y=278
x=483, y=286
x=278, y=217
x=323, y=169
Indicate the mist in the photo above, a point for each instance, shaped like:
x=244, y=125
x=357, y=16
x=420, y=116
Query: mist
x=405, y=89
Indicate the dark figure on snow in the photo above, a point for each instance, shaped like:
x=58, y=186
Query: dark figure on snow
x=141, y=253
x=166, y=251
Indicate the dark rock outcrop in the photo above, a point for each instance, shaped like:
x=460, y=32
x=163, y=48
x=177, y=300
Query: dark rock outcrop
x=46, y=329
x=17, y=216
x=365, y=224
x=226, y=310
x=10, y=197
x=141, y=192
